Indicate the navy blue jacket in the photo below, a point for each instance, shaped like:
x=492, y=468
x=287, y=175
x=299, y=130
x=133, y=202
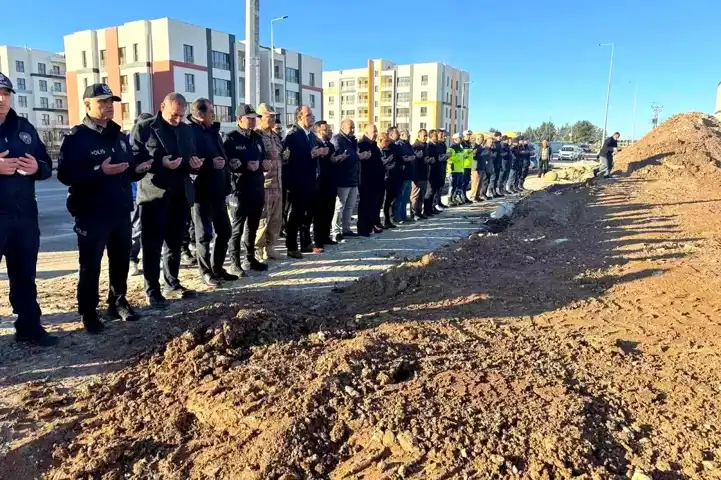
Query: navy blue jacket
x=211, y=182
x=154, y=139
x=421, y=169
x=17, y=192
x=92, y=193
x=348, y=171
x=407, y=167
x=373, y=172
x=246, y=147
x=302, y=169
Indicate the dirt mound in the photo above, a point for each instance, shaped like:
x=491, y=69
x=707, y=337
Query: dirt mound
x=686, y=144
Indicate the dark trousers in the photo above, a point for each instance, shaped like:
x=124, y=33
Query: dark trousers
x=94, y=236
x=393, y=187
x=189, y=235
x=496, y=175
x=323, y=215
x=486, y=180
x=164, y=223
x=19, y=244
x=543, y=167
x=524, y=172
x=466, y=180
x=300, y=218
x=246, y=210
x=506, y=166
x=368, y=206
x=135, y=236
x=418, y=195
x=431, y=191
x=209, y=216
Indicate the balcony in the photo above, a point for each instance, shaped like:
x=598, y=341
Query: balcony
x=59, y=92
x=386, y=99
x=348, y=88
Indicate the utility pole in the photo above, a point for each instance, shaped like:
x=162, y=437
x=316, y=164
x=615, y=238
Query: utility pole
x=252, y=52
x=608, y=90
x=656, y=108
x=635, y=98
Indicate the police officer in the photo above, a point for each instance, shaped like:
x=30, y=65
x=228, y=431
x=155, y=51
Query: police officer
x=435, y=175
x=246, y=156
x=506, y=165
x=23, y=161
x=468, y=148
x=164, y=194
x=497, y=172
x=443, y=156
x=212, y=186
x=97, y=164
x=516, y=160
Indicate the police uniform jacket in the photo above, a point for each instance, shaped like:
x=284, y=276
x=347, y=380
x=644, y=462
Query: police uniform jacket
x=211, y=182
x=246, y=147
x=17, y=192
x=92, y=193
x=153, y=139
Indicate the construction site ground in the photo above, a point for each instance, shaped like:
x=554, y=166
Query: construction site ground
x=582, y=341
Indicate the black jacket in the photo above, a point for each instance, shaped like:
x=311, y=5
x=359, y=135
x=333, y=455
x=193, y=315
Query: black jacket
x=395, y=175
x=349, y=169
x=246, y=147
x=483, y=158
x=92, y=193
x=327, y=169
x=436, y=173
x=608, y=148
x=211, y=182
x=17, y=192
x=421, y=168
x=407, y=167
x=301, y=169
x=155, y=138
x=373, y=172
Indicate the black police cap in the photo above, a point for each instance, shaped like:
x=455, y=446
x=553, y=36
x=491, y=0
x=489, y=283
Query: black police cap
x=101, y=91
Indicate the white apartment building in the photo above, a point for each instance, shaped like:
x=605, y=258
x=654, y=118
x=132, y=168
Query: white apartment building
x=144, y=60
x=39, y=80
x=421, y=95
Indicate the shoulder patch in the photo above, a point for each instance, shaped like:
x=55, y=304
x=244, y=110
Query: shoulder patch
x=123, y=145
x=25, y=137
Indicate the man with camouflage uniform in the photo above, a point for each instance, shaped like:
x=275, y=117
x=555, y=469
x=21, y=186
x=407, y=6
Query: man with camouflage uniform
x=272, y=217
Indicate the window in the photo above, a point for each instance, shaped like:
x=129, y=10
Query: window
x=331, y=84
x=124, y=111
x=121, y=55
x=348, y=99
x=241, y=87
x=24, y=115
x=376, y=89
x=347, y=113
x=424, y=96
x=311, y=79
x=403, y=97
x=136, y=80
x=44, y=102
x=138, y=108
x=423, y=125
x=85, y=81
x=363, y=82
x=57, y=87
x=222, y=114
x=448, y=81
x=102, y=58
x=124, y=83
x=277, y=73
x=312, y=101
x=347, y=84
x=403, y=112
x=188, y=57
x=221, y=60
x=403, y=81
x=331, y=114
x=60, y=120
x=424, y=80
x=59, y=103
x=424, y=111
x=189, y=82
x=45, y=119
x=22, y=101
x=292, y=98
x=291, y=75
x=221, y=88
x=456, y=84
x=84, y=56
x=19, y=66
x=43, y=85
x=290, y=118
x=375, y=119
x=375, y=104
x=21, y=84
x=362, y=97
x=406, y=126
x=278, y=97
x=135, y=52
x=104, y=80
x=56, y=70
x=42, y=69
x=241, y=60
x=331, y=100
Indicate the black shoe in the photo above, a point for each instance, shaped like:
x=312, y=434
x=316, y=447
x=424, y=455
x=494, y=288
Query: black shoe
x=253, y=264
x=236, y=271
x=224, y=276
x=92, y=323
x=179, y=290
x=157, y=302
x=349, y=234
x=339, y=238
x=388, y=224
x=210, y=280
x=41, y=338
x=187, y=260
x=377, y=229
x=364, y=234
x=421, y=217
x=442, y=206
x=306, y=249
x=295, y=254
x=282, y=234
x=121, y=310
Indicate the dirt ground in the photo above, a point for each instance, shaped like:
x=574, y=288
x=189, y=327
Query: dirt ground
x=581, y=342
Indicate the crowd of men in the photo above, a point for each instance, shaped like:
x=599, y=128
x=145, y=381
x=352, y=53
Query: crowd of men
x=166, y=189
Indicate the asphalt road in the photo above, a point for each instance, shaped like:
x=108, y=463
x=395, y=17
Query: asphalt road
x=56, y=224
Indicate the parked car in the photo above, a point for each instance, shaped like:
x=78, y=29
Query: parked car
x=570, y=152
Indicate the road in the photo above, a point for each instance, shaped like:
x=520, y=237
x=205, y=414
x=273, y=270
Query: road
x=56, y=224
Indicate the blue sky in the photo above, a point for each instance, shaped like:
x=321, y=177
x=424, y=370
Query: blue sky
x=529, y=60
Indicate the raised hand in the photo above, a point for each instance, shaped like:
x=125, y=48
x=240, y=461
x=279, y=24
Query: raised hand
x=171, y=164
x=195, y=162
x=8, y=166
x=113, y=168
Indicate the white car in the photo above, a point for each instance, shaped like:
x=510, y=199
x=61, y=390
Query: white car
x=570, y=152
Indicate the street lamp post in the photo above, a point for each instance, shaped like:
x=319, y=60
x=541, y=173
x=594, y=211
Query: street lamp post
x=463, y=97
x=635, y=98
x=608, y=91
x=271, y=92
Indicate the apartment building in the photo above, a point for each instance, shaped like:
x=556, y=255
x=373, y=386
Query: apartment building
x=421, y=95
x=144, y=60
x=39, y=80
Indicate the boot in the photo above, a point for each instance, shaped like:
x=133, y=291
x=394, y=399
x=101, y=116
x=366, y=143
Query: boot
x=272, y=254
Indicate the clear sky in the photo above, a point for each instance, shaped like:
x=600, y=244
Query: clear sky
x=528, y=60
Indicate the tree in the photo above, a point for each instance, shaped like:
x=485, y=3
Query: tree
x=585, y=132
x=492, y=130
x=565, y=133
x=546, y=131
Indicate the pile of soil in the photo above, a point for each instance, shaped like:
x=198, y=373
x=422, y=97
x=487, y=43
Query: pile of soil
x=688, y=144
